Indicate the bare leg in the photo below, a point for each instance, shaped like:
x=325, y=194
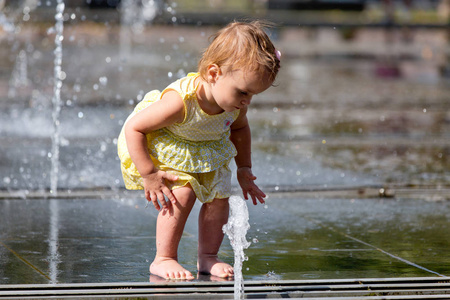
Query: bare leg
x=169, y=229
x=211, y=219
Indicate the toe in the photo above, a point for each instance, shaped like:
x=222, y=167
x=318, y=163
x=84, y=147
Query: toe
x=181, y=275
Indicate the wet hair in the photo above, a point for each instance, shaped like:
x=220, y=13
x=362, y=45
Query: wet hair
x=241, y=46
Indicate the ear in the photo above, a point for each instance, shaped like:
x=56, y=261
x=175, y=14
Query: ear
x=213, y=72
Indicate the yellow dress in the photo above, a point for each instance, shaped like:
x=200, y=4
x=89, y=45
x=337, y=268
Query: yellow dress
x=198, y=150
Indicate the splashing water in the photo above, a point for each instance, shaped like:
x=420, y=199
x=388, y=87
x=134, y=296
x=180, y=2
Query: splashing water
x=59, y=27
x=19, y=76
x=6, y=24
x=236, y=229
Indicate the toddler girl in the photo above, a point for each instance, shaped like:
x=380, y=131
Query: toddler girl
x=177, y=144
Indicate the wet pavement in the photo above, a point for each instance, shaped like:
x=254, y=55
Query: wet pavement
x=112, y=240
x=352, y=146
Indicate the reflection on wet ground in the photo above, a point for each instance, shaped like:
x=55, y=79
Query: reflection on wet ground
x=345, y=114
x=345, y=238
x=111, y=240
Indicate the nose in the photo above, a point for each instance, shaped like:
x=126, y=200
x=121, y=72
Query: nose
x=246, y=101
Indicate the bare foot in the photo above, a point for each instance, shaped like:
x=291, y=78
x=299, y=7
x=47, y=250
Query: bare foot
x=208, y=277
x=214, y=266
x=169, y=268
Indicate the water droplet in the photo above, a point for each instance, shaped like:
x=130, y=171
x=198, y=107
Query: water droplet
x=170, y=74
x=255, y=240
x=95, y=87
x=6, y=180
x=108, y=59
x=65, y=142
x=103, y=80
x=324, y=141
x=62, y=75
x=424, y=110
x=80, y=115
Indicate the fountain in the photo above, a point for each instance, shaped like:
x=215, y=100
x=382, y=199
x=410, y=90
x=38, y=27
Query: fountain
x=236, y=230
x=56, y=100
x=19, y=77
x=328, y=142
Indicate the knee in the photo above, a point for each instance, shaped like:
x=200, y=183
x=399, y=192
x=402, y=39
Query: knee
x=223, y=202
x=217, y=205
x=185, y=196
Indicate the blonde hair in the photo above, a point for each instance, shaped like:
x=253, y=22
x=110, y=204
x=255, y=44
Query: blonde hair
x=243, y=46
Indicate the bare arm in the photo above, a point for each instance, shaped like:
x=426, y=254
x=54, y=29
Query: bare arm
x=241, y=138
x=167, y=111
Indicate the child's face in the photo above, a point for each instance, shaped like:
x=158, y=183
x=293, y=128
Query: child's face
x=234, y=90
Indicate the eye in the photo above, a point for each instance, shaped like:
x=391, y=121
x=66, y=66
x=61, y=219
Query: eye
x=243, y=93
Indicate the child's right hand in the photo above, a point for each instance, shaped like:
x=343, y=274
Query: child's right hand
x=155, y=189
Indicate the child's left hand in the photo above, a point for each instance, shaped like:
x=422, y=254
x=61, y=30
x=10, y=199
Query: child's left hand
x=246, y=181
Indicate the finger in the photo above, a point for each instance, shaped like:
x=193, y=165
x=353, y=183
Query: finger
x=245, y=194
x=251, y=176
x=154, y=199
x=169, y=195
x=254, y=199
x=147, y=195
x=261, y=200
x=170, y=210
x=259, y=193
x=170, y=177
x=162, y=200
x=263, y=195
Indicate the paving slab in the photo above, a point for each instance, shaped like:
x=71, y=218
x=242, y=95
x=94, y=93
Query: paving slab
x=112, y=240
